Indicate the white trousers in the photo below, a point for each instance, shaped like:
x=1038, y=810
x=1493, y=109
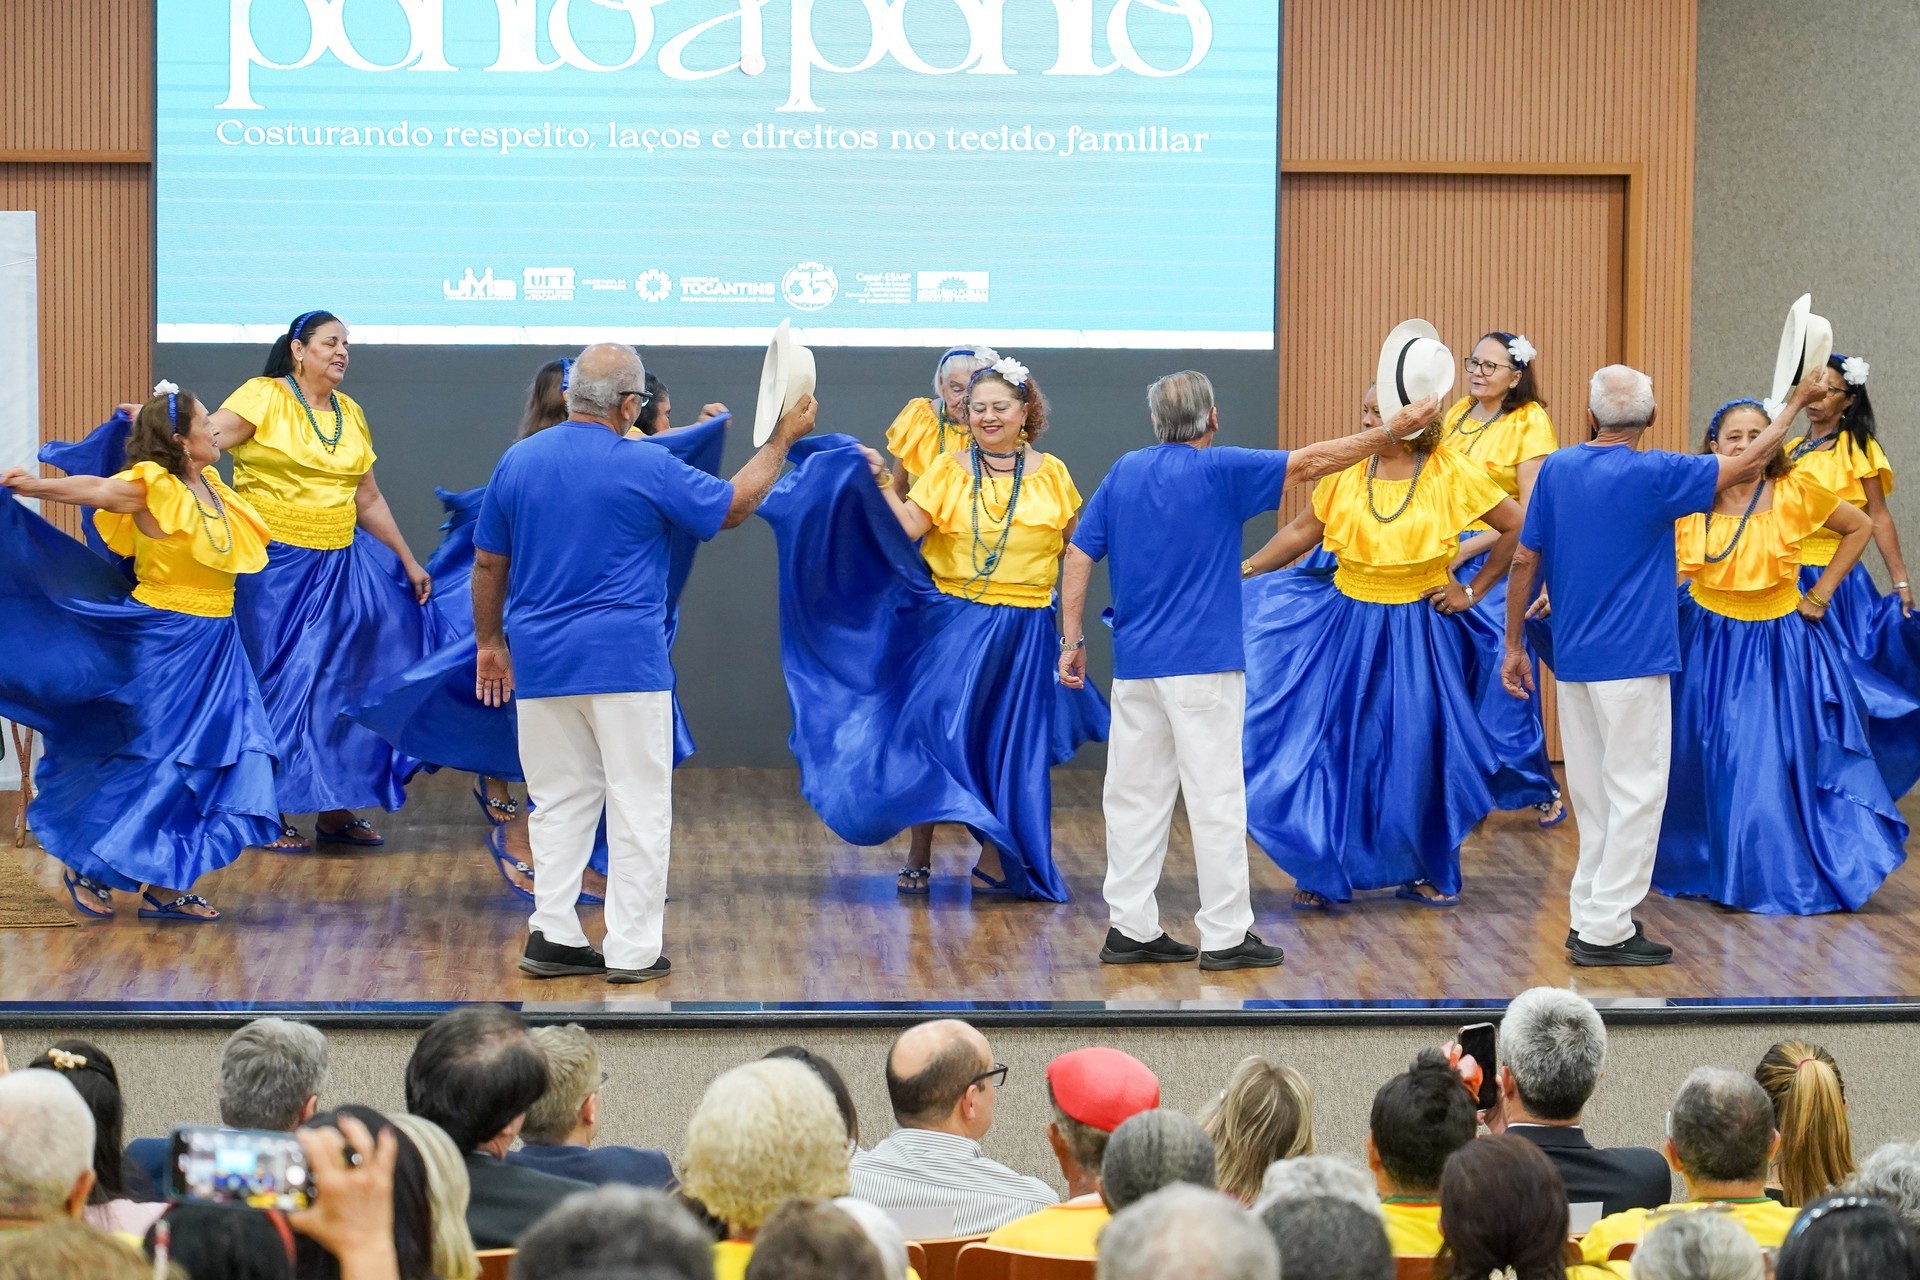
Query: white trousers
x=1618, y=739
x=580, y=754
x=1178, y=735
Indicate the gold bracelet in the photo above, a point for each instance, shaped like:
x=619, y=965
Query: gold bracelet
x=1246, y=568
x=883, y=478
x=1816, y=598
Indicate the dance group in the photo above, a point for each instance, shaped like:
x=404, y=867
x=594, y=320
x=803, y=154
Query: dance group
x=217, y=658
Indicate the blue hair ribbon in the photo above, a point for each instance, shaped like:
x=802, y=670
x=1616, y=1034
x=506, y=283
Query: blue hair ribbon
x=566, y=373
x=1720, y=414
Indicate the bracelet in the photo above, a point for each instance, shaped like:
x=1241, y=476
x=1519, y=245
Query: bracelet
x=1469, y=587
x=883, y=478
x=1900, y=586
x=1246, y=567
x=1065, y=647
x=1815, y=597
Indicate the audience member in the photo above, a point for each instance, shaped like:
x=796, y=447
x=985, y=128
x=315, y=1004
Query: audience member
x=1265, y=1114
x=46, y=1150
x=448, y=1192
x=557, y=1137
x=1189, y=1232
x=1810, y=1111
x=1698, y=1246
x=1553, y=1047
x=226, y=1242
x=122, y=1198
x=272, y=1073
x=1317, y=1178
x=1848, y=1238
x=352, y=1172
x=1092, y=1092
x=71, y=1251
x=762, y=1134
x=808, y=1238
x=1152, y=1150
x=411, y=1215
x=1720, y=1139
x=474, y=1073
x=1503, y=1211
x=615, y=1231
x=1420, y=1117
x=1323, y=1238
x=882, y=1230
x=1892, y=1173
x=942, y=1081
x=842, y=1096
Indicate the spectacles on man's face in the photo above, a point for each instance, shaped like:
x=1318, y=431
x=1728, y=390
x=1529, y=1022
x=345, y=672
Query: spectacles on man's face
x=997, y=1075
x=1484, y=367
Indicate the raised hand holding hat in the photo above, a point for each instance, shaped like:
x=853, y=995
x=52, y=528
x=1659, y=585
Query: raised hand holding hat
x=1414, y=367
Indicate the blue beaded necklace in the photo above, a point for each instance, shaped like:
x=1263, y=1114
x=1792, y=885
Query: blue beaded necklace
x=1373, y=464
x=1810, y=444
x=940, y=416
x=339, y=420
x=986, y=559
x=208, y=518
x=1738, y=529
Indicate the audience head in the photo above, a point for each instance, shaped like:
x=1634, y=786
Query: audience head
x=1154, y=1149
x=1847, y=1238
x=1093, y=1092
x=412, y=1207
x=70, y=1251
x=1892, y=1173
x=90, y=1071
x=1189, y=1232
x=808, y=1238
x=226, y=1242
x=1620, y=399
x=1420, y=1117
x=272, y=1073
x=1318, y=1178
x=615, y=1231
x=941, y=1075
x=1322, y=1238
x=1810, y=1112
x=1502, y=1205
x=1700, y=1245
x=448, y=1193
x=570, y=1107
x=46, y=1148
x=842, y=1096
x=1552, y=1046
x=1721, y=1128
x=1265, y=1114
x=474, y=1073
x=883, y=1231
x=763, y=1133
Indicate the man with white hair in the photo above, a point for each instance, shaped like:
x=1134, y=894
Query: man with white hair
x=1318, y=1178
x=46, y=1150
x=1601, y=521
x=570, y=607
x=1190, y=1232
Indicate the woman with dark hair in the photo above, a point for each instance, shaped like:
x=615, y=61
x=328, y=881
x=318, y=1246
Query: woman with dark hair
x=1775, y=803
x=656, y=410
x=1848, y=1238
x=159, y=760
x=412, y=1207
x=120, y=1201
x=226, y=1242
x=342, y=604
x=1503, y=1212
x=927, y=427
x=829, y=1076
x=922, y=677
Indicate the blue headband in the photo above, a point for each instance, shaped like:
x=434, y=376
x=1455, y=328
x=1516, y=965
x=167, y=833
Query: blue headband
x=566, y=373
x=1719, y=415
x=173, y=410
x=294, y=331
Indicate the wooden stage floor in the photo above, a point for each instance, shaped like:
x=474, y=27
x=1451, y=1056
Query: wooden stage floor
x=768, y=906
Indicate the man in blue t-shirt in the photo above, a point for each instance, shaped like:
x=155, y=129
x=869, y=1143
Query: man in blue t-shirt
x=1601, y=521
x=1169, y=519
x=570, y=611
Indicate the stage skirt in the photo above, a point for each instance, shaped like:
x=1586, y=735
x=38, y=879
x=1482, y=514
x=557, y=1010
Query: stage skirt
x=1366, y=755
x=1884, y=652
x=910, y=705
x=1518, y=733
x=451, y=564
x=158, y=764
x=1774, y=803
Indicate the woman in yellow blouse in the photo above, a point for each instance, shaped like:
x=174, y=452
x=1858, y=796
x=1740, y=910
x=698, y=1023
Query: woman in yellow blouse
x=159, y=759
x=1367, y=762
x=343, y=603
x=1775, y=803
x=1841, y=453
x=928, y=428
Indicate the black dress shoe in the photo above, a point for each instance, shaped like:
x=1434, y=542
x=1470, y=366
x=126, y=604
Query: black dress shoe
x=658, y=969
x=545, y=959
x=1251, y=954
x=1638, y=950
x=1120, y=949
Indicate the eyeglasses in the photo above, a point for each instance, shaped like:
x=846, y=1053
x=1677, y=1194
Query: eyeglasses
x=997, y=1074
x=1484, y=366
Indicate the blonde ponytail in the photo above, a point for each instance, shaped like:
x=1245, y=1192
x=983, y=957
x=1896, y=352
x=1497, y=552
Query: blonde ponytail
x=1810, y=1111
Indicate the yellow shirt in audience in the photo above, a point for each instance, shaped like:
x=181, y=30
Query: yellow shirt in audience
x=1413, y=1227
x=1070, y=1229
x=1764, y=1220
x=730, y=1259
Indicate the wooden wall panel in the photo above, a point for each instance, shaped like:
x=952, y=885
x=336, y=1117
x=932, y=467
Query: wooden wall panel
x=76, y=76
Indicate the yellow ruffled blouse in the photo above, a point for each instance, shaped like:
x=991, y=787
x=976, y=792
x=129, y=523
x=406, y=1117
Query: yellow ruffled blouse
x=918, y=437
x=304, y=491
x=1761, y=578
x=1030, y=564
x=191, y=569
x=1502, y=444
x=1840, y=468
x=1394, y=561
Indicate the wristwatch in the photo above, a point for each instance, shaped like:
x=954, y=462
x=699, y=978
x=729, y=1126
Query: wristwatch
x=1065, y=647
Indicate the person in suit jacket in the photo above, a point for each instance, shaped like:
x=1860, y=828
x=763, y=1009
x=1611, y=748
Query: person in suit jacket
x=1552, y=1048
x=558, y=1135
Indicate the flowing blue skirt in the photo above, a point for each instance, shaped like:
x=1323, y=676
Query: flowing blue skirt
x=1519, y=734
x=1774, y=803
x=1367, y=759
x=159, y=760
x=1884, y=651
x=910, y=705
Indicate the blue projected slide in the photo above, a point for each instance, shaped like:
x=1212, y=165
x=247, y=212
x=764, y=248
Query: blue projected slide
x=1077, y=173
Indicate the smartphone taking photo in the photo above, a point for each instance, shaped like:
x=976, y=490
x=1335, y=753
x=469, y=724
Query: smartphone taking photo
x=1478, y=1040
x=258, y=1168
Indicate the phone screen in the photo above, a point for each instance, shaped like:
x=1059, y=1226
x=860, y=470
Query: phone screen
x=1478, y=1040
x=255, y=1167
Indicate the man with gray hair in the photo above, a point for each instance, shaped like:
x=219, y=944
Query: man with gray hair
x=1171, y=518
x=1891, y=1174
x=1600, y=528
x=1318, y=1178
x=1152, y=1150
x=1189, y=1232
x=1552, y=1048
x=46, y=1150
x=570, y=610
x=613, y=1231
x=1698, y=1246
x=1328, y=1238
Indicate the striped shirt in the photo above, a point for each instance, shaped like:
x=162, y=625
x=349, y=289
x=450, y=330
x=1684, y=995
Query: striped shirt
x=924, y=1169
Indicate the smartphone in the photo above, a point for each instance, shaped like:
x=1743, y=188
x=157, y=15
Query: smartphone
x=1478, y=1040
x=255, y=1167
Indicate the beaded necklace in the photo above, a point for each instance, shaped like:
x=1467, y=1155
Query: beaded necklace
x=1472, y=437
x=986, y=559
x=1373, y=464
x=1810, y=444
x=1738, y=529
x=330, y=443
x=940, y=416
x=209, y=518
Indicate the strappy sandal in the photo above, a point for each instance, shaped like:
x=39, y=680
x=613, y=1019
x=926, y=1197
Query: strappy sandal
x=495, y=811
x=1411, y=893
x=177, y=909
x=913, y=881
x=290, y=841
x=507, y=863
x=1547, y=817
x=349, y=834
x=986, y=884
x=102, y=906
x=1308, y=900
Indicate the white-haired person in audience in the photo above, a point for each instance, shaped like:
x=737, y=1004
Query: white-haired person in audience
x=558, y=1135
x=1328, y=1238
x=616, y=1231
x=1155, y=1149
x=763, y=1133
x=46, y=1150
x=1891, y=1173
x=882, y=1230
x=1698, y=1246
x=1720, y=1140
x=1318, y=1178
x=448, y=1192
x=1189, y=1232
x=1264, y=1114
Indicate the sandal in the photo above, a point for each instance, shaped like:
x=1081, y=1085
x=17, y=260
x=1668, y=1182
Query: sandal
x=1547, y=817
x=913, y=881
x=358, y=832
x=1411, y=893
x=507, y=863
x=101, y=895
x=177, y=909
x=495, y=811
x=1308, y=900
x=290, y=841
x=986, y=884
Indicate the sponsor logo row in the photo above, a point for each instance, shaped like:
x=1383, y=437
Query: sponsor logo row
x=806, y=286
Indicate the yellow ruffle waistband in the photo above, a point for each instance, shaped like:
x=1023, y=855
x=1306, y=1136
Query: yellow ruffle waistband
x=1388, y=588
x=1020, y=595
x=1748, y=606
x=326, y=529
x=201, y=602
x=1818, y=548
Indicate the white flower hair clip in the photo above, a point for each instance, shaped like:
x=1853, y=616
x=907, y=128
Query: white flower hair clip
x=1521, y=350
x=1855, y=371
x=165, y=388
x=1010, y=369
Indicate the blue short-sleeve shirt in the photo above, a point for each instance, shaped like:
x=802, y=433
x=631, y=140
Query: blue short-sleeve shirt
x=583, y=514
x=1601, y=518
x=1168, y=520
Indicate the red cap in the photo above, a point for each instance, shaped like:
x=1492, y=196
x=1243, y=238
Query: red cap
x=1102, y=1087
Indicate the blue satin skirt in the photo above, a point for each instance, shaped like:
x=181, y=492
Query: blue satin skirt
x=1367, y=759
x=909, y=705
x=158, y=764
x=1884, y=650
x=322, y=628
x=1774, y=803
x=1519, y=734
